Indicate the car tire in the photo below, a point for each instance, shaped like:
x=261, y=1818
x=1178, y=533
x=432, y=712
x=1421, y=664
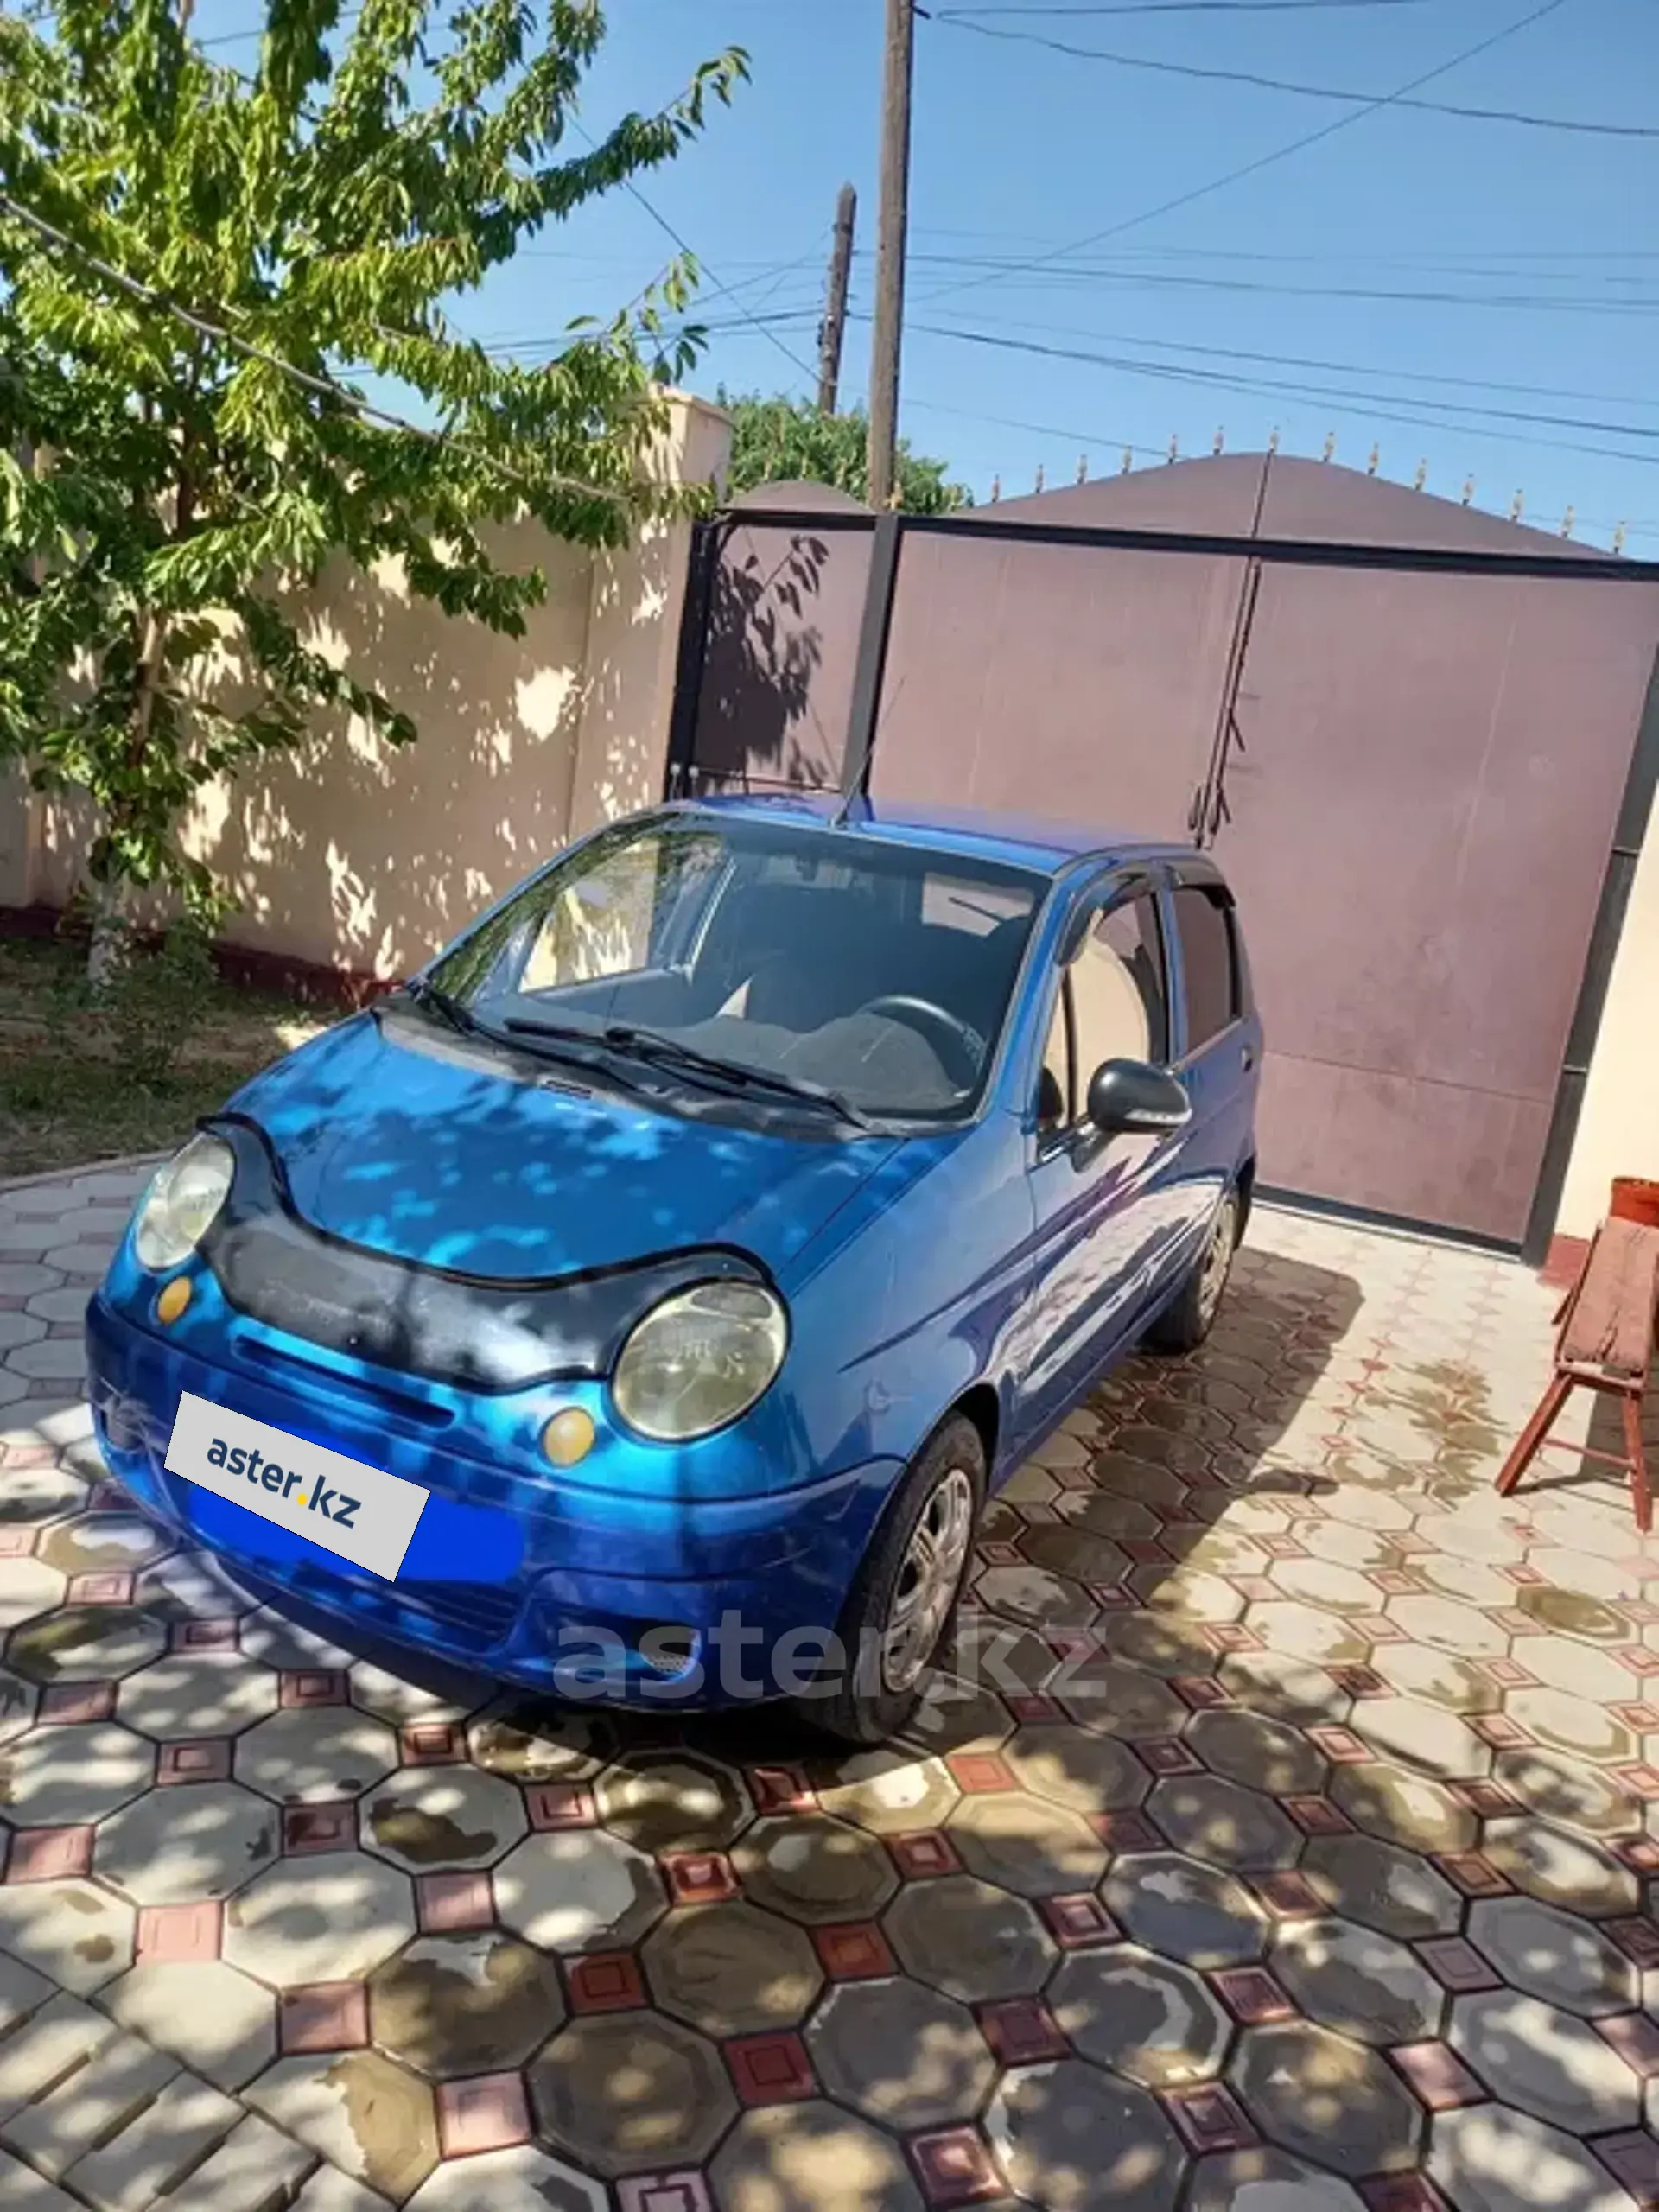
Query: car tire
x=1186, y=1320
x=911, y=1578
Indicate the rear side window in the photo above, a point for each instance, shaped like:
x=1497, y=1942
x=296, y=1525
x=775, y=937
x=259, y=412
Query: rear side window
x=1204, y=921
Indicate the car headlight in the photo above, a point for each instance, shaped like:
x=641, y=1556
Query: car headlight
x=699, y=1360
x=179, y=1208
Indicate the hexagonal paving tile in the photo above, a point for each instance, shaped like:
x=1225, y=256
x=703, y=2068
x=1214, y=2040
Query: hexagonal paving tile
x=668, y=1801
x=102, y=1542
x=1548, y=2062
x=29, y=1587
x=816, y=1869
x=221, y=2024
x=86, y=1644
x=1300, y=1631
x=1579, y=1669
x=1326, y=2098
x=1554, y=1955
x=523, y=2179
x=1382, y=1886
x=425, y=1817
x=1142, y=2016
x=953, y=1715
x=1424, y=1737
x=319, y=1918
x=426, y=1689
x=540, y=1744
x=1565, y=1723
x=625, y=2091
x=1072, y=2139
x=191, y=1585
x=1163, y=1643
x=1090, y=1774
x=1022, y=1844
x=1287, y=1688
x=731, y=1969
x=172, y=1847
x=1360, y=1982
x=1403, y=1809
x=58, y=1777
x=1575, y=1613
x=1489, y=2159
x=36, y=1494
x=1262, y=1753
x=1418, y=1670
x=1034, y=1595
x=1069, y=1548
x=1557, y=1788
x=810, y=2157
x=1112, y=1697
x=1446, y=1625
x=1185, y=1910
x=1550, y=1862
x=901, y=2054
x=888, y=1791
x=1333, y=1588
x=307, y=1755
x=475, y=2004
x=971, y=1940
x=368, y=2116
x=197, y=1693
x=1225, y=1824
x=578, y=1890
x=276, y=1641
x=73, y=1931
x=1266, y=2180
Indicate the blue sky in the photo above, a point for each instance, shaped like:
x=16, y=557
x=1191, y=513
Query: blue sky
x=1539, y=246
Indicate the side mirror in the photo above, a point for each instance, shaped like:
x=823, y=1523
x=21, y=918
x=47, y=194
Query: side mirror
x=1128, y=1097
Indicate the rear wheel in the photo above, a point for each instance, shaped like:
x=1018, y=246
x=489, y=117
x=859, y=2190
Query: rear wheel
x=1185, y=1323
x=905, y=1595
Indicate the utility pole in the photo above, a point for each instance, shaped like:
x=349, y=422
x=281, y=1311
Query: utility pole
x=833, y=329
x=890, y=249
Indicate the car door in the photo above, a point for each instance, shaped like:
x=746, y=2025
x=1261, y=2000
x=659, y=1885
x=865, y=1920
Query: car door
x=1106, y=1209
x=1218, y=1039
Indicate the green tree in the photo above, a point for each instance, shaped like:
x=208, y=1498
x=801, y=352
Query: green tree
x=198, y=267
x=786, y=441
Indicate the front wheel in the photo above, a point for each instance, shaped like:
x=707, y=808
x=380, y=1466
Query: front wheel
x=1185, y=1322
x=904, y=1594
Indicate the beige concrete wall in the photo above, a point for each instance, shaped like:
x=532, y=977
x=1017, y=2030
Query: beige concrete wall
x=355, y=854
x=1618, y=1129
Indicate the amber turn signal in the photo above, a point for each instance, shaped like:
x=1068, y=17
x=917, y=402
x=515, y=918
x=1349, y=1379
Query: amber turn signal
x=569, y=1437
x=175, y=1296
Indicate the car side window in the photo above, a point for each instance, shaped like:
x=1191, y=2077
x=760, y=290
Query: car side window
x=1204, y=919
x=1120, y=993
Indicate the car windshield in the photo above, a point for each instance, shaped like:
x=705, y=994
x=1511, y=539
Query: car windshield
x=837, y=970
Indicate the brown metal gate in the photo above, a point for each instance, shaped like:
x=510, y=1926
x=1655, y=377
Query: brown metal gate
x=1425, y=764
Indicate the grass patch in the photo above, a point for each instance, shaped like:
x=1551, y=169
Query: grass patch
x=68, y=1096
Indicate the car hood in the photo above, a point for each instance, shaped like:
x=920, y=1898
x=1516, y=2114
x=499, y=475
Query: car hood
x=410, y=1141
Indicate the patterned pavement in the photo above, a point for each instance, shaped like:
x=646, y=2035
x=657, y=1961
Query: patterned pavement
x=1295, y=1856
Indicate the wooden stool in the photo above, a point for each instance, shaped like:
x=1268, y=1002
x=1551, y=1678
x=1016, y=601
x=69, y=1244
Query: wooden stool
x=1605, y=1342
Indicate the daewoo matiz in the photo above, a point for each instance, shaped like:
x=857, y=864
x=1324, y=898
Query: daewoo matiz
x=642, y=1301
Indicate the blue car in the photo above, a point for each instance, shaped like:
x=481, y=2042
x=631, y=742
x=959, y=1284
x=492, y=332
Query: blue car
x=642, y=1302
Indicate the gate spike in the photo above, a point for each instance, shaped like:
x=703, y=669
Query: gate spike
x=996, y=489
x=1468, y=491
x=1220, y=442
x=1175, y=445
x=1518, y=507
x=1422, y=477
x=1376, y=460
x=1083, y=468
x=1567, y=521
x=1128, y=460
x=1272, y=439
x=1619, y=539
x=1330, y=444
x=1038, y=485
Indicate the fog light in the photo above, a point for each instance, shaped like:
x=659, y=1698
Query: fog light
x=174, y=1297
x=569, y=1437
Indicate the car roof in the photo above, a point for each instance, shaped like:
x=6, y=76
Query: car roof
x=1019, y=841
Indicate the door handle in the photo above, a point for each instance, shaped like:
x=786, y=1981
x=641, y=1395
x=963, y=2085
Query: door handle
x=1246, y=1058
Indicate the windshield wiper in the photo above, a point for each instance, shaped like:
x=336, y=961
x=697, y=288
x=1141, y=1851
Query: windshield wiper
x=651, y=1045
x=445, y=1004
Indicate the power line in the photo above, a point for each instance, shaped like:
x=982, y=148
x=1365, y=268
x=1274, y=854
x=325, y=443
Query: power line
x=1278, y=154
x=1286, y=85
x=1178, y=8
x=325, y=386
x=717, y=290
x=1093, y=273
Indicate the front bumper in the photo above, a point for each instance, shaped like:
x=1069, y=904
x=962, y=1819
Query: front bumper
x=536, y=1579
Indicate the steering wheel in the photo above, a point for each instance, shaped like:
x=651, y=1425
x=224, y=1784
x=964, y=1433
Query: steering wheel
x=953, y=1038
